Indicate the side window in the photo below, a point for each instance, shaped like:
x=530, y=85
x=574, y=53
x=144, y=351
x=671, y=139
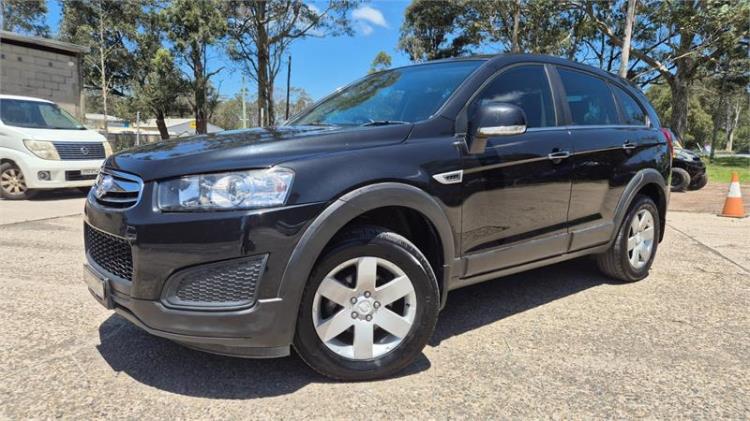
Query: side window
x=526, y=87
x=632, y=112
x=589, y=99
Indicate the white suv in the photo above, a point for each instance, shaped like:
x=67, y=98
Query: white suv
x=44, y=147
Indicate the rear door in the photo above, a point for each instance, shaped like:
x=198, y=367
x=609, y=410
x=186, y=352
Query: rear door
x=606, y=146
x=515, y=196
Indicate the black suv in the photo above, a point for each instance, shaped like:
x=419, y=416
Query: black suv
x=342, y=231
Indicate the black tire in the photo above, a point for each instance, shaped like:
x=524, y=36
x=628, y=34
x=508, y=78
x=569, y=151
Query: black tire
x=615, y=261
x=10, y=173
x=699, y=182
x=680, y=179
x=381, y=243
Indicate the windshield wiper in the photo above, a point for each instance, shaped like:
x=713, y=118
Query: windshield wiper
x=384, y=122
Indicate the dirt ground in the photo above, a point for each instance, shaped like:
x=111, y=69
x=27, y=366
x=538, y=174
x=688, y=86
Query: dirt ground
x=558, y=342
x=709, y=199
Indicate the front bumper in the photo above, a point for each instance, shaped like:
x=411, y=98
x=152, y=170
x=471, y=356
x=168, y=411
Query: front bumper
x=63, y=174
x=165, y=246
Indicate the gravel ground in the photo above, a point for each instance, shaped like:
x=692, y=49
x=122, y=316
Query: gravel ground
x=562, y=342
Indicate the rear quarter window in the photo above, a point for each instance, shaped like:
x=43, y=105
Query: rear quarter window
x=632, y=113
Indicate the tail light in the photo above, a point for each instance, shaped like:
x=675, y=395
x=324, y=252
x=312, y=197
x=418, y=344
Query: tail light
x=668, y=138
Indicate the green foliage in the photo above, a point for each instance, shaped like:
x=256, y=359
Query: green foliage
x=24, y=16
x=260, y=34
x=163, y=84
x=118, y=20
x=435, y=29
x=382, y=61
x=194, y=25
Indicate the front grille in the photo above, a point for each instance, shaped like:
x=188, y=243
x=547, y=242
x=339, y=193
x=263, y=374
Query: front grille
x=79, y=150
x=112, y=253
x=117, y=190
x=77, y=176
x=217, y=285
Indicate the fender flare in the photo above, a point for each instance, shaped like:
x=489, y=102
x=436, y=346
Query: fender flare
x=345, y=209
x=641, y=179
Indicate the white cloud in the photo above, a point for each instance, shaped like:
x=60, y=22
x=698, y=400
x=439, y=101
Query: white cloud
x=364, y=28
x=371, y=15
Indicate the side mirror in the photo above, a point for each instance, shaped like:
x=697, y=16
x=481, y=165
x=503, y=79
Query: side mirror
x=494, y=119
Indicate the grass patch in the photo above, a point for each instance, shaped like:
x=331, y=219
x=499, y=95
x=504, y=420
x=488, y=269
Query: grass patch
x=720, y=171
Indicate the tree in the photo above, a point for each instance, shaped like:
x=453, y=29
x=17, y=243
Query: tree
x=435, y=29
x=194, y=25
x=382, y=61
x=105, y=26
x=262, y=31
x=161, y=88
x=630, y=17
x=689, y=36
x=25, y=16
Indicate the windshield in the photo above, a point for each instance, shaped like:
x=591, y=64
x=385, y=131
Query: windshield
x=408, y=94
x=36, y=115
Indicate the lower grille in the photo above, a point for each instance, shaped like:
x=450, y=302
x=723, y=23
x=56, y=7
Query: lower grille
x=218, y=285
x=112, y=253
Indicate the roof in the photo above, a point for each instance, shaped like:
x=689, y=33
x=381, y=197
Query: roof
x=169, y=122
x=98, y=116
x=25, y=98
x=42, y=43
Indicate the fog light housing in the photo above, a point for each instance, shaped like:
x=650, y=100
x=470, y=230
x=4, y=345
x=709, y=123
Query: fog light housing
x=44, y=175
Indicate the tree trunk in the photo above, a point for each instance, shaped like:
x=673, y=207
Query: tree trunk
x=161, y=125
x=678, y=121
x=199, y=88
x=271, y=103
x=263, y=63
x=626, y=40
x=733, y=119
x=515, y=47
x=102, y=67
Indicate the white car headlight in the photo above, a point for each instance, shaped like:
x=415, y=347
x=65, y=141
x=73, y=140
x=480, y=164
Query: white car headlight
x=42, y=148
x=226, y=191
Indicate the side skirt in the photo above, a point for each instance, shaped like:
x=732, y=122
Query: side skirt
x=462, y=282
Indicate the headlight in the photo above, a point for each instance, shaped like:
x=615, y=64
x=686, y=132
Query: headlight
x=226, y=191
x=42, y=148
x=107, y=149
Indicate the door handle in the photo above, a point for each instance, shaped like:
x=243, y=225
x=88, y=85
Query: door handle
x=629, y=145
x=558, y=155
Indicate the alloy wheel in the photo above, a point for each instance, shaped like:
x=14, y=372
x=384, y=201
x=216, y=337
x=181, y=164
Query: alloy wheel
x=641, y=239
x=12, y=181
x=364, y=308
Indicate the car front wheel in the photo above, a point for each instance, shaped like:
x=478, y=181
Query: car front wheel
x=13, y=183
x=369, y=308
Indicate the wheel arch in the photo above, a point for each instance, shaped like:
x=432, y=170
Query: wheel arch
x=348, y=208
x=648, y=182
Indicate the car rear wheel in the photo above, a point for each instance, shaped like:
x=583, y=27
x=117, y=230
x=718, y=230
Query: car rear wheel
x=680, y=179
x=13, y=183
x=632, y=254
x=369, y=308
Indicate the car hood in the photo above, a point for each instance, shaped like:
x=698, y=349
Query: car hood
x=248, y=148
x=57, y=135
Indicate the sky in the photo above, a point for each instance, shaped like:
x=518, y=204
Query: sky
x=319, y=65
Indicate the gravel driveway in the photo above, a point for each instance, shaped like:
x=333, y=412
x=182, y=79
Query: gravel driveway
x=563, y=341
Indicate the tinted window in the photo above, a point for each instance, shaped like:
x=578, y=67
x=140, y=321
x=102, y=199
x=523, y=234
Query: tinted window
x=408, y=94
x=632, y=112
x=36, y=115
x=589, y=99
x=526, y=87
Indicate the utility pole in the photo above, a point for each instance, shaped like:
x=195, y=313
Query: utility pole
x=244, y=105
x=288, y=81
x=137, y=128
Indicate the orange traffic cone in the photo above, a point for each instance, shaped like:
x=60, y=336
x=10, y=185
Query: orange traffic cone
x=733, y=206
